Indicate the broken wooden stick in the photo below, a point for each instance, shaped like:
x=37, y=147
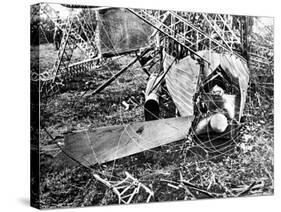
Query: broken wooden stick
x=247, y=190
x=126, y=189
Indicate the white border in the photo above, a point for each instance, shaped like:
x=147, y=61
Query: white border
x=14, y=119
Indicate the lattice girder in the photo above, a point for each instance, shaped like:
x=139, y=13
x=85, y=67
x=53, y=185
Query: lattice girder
x=178, y=26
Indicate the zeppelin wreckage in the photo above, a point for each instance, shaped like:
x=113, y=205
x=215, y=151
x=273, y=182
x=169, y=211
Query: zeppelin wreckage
x=197, y=60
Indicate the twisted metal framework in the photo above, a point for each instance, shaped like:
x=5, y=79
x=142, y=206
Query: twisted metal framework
x=261, y=56
x=222, y=28
x=194, y=31
x=261, y=62
x=76, y=34
x=79, y=27
x=197, y=32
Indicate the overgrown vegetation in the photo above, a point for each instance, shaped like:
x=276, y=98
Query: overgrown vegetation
x=178, y=171
x=246, y=171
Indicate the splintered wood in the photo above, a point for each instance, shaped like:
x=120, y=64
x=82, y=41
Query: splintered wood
x=127, y=188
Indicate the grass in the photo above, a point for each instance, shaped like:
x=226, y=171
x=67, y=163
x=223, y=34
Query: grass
x=251, y=164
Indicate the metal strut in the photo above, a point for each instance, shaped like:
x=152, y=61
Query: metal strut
x=166, y=30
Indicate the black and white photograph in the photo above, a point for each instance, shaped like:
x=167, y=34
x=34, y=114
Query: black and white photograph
x=138, y=105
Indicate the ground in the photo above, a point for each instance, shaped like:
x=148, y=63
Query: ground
x=246, y=171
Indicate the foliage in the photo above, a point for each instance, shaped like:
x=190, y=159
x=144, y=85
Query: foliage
x=41, y=31
x=251, y=164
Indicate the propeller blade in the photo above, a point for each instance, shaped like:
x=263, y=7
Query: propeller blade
x=106, y=144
